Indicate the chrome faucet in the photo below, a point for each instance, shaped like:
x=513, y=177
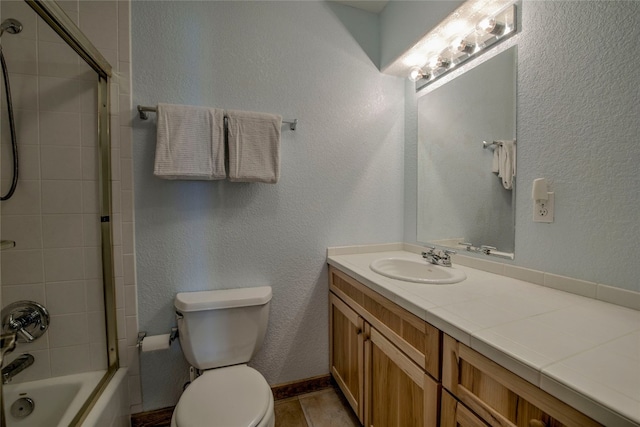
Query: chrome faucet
x=438, y=257
x=18, y=365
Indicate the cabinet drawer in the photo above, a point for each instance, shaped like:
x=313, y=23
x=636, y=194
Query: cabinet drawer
x=415, y=337
x=500, y=397
x=455, y=414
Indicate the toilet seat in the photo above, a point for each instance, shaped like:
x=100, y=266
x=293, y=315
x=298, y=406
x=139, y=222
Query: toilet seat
x=236, y=396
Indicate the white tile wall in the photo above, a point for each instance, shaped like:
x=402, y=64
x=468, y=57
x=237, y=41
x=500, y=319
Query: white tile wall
x=54, y=213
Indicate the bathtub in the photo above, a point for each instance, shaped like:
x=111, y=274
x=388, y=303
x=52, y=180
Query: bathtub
x=57, y=400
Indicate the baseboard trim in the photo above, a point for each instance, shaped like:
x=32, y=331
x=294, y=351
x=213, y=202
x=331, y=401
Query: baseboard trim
x=162, y=417
x=156, y=418
x=295, y=388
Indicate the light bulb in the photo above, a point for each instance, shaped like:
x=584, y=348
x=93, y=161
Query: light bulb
x=461, y=45
x=491, y=26
x=439, y=62
x=416, y=73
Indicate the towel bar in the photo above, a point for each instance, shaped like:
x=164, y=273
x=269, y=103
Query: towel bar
x=143, y=110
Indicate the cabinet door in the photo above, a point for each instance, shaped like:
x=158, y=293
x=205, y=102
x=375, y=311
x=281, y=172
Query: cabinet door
x=398, y=392
x=455, y=414
x=346, y=346
x=500, y=397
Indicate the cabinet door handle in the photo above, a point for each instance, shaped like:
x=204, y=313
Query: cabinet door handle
x=536, y=423
x=359, y=331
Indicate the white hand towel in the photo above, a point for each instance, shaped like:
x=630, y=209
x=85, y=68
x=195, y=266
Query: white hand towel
x=507, y=163
x=190, y=143
x=254, y=146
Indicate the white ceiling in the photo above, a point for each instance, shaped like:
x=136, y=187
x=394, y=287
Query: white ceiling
x=374, y=6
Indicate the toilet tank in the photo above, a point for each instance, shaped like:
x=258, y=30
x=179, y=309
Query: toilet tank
x=222, y=327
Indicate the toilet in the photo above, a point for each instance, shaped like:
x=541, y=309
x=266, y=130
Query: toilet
x=220, y=331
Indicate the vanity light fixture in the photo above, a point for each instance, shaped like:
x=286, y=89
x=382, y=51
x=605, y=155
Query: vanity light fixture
x=469, y=31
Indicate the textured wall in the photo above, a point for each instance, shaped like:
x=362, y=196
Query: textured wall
x=341, y=181
x=578, y=126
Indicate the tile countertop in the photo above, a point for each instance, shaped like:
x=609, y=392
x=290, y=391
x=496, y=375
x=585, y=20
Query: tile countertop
x=583, y=351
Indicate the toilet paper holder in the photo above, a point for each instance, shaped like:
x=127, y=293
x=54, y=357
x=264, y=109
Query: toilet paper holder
x=142, y=334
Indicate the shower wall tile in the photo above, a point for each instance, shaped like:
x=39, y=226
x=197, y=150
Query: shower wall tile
x=130, y=301
x=13, y=293
x=126, y=148
x=117, y=261
x=70, y=360
x=25, y=229
x=26, y=126
x=99, y=22
x=91, y=232
x=98, y=355
x=120, y=305
x=127, y=206
x=96, y=327
x=20, y=267
x=29, y=164
x=127, y=240
x=88, y=95
x=61, y=197
x=24, y=92
x=58, y=60
x=88, y=126
x=129, y=270
x=61, y=95
x=62, y=231
x=114, y=122
x=61, y=163
x=24, y=202
x=66, y=297
x=21, y=55
x=92, y=263
x=116, y=188
x=90, y=202
x=116, y=229
x=95, y=295
x=127, y=174
x=115, y=164
x=60, y=129
x=68, y=330
x=63, y=264
x=90, y=168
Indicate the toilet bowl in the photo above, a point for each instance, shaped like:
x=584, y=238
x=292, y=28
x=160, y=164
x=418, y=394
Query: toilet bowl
x=220, y=331
x=226, y=397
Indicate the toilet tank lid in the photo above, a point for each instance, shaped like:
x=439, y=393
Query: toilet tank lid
x=224, y=298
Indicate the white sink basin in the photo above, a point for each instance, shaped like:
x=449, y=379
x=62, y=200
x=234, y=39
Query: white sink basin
x=416, y=271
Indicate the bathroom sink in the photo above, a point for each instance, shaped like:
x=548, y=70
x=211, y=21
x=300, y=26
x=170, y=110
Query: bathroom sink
x=416, y=271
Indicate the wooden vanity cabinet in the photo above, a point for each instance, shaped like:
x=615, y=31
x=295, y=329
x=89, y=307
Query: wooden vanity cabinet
x=385, y=359
x=497, y=396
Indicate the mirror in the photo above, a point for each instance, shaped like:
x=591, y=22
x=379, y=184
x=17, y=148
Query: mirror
x=460, y=199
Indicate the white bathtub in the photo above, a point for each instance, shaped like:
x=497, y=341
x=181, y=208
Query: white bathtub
x=58, y=400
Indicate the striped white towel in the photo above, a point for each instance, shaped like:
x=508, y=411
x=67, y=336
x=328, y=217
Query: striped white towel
x=254, y=146
x=190, y=143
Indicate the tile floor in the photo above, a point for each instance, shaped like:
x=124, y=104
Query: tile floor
x=324, y=408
